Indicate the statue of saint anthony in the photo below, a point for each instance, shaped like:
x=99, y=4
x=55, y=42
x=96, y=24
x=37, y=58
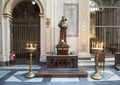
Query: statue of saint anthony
x=63, y=28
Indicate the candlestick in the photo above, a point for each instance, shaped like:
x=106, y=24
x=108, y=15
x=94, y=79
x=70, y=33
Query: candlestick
x=96, y=75
x=30, y=49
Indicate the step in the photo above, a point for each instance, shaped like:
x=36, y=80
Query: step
x=93, y=64
x=108, y=61
x=62, y=72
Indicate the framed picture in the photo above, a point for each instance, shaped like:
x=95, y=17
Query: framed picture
x=71, y=12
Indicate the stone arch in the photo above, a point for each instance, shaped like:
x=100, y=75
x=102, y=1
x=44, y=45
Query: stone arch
x=7, y=10
x=10, y=5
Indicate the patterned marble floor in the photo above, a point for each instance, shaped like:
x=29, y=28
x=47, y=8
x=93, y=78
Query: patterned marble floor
x=15, y=76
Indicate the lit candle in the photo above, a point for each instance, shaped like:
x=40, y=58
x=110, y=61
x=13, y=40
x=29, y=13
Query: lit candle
x=62, y=40
x=31, y=45
x=27, y=45
x=101, y=45
x=35, y=45
x=97, y=45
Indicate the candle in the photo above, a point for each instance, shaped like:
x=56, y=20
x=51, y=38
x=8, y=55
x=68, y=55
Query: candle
x=101, y=45
x=31, y=45
x=35, y=45
x=97, y=45
x=27, y=45
x=62, y=40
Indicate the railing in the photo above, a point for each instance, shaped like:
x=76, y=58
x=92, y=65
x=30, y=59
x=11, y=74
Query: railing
x=105, y=28
x=23, y=32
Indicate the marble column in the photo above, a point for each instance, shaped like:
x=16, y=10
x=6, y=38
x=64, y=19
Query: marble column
x=0, y=37
x=42, y=38
x=47, y=27
x=0, y=30
x=84, y=28
x=6, y=39
x=49, y=15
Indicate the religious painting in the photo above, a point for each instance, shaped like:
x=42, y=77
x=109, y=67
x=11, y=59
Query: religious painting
x=71, y=12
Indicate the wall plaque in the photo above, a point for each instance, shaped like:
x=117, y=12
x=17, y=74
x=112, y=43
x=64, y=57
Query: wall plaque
x=71, y=12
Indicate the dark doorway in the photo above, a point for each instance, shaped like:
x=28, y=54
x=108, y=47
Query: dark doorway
x=25, y=28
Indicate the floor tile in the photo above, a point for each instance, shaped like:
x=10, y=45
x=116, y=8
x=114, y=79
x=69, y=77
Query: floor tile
x=107, y=76
x=19, y=77
x=3, y=73
x=16, y=77
x=65, y=80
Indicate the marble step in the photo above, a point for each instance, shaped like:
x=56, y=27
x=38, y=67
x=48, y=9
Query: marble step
x=108, y=62
x=62, y=72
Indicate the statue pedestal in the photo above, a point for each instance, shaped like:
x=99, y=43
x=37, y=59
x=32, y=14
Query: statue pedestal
x=62, y=49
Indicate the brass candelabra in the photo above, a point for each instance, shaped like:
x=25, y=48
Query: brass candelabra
x=96, y=75
x=30, y=48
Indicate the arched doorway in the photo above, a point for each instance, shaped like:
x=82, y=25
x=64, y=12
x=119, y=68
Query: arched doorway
x=25, y=28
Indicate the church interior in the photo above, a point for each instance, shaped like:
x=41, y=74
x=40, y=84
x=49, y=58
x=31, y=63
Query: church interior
x=50, y=42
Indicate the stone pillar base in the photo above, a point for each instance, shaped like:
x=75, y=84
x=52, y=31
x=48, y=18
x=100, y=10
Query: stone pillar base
x=43, y=58
x=84, y=55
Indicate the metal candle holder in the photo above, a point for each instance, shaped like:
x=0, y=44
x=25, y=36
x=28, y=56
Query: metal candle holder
x=96, y=75
x=30, y=48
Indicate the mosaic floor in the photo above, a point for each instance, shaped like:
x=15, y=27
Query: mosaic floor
x=15, y=76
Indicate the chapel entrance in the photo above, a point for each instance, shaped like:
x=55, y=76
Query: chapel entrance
x=25, y=28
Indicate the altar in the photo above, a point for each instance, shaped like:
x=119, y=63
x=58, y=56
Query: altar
x=62, y=64
x=62, y=61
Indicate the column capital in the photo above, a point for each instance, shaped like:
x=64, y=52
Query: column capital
x=9, y=15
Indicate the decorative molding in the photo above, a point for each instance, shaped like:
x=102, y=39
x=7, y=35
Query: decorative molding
x=7, y=15
x=41, y=14
x=48, y=22
x=41, y=6
x=6, y=3
x=10, y=11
